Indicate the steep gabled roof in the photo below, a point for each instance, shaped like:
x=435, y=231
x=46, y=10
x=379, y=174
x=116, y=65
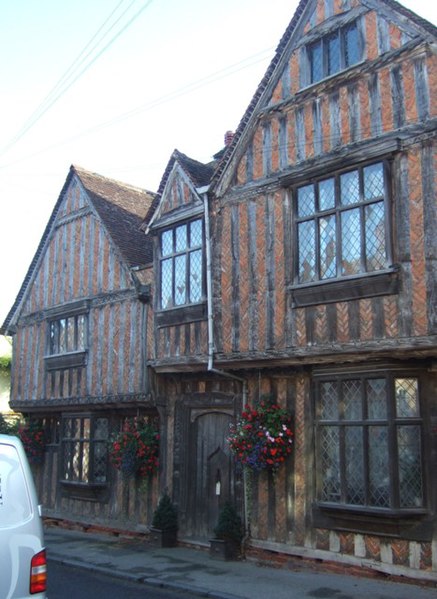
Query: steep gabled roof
x=229, y=150
x=199, y=173
x=121, y=208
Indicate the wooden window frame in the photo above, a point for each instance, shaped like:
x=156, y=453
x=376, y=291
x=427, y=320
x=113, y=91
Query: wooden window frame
x=393, y=422
x=66, y=356
x=192, y=307
x=323, y=43
x=89, y=479
x=342, y=287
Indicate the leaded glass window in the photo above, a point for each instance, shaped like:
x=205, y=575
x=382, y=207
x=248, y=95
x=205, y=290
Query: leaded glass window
x=369, y=442
x=68, y=334
x=181, y=265
x=84, y=449
x=334, y=52
x=341, y=225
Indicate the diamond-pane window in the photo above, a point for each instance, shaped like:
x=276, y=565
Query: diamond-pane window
x=350, y=188
x=330, y=463
x=181, y=238
x=351, y=45
x=333, y=53
x=352, y=401
x=354, y=454
x=305, y=200
x=375, y=236
x=410, y=465
x=327, y=194
x=373, y=181
x=407, y=398
x=328, y=401
x=167, y=243
x=351, y=242
x=68, y=334
x=166, y=283
x=341, y=225
x=84, y=449
x=369, y=442
x=328, y=245
x=379, y=474
x=307, y=251
x=316, y=61
x=180, y=280
x=376, y=399
x=181, y=265
x=196, y=276
x=196, y=233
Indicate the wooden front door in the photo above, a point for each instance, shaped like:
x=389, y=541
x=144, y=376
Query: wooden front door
x=210, y=472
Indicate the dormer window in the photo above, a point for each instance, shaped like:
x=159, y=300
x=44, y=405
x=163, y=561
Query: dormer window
x=334, y=52
x=181, y=265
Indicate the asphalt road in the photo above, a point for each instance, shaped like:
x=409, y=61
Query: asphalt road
x=66, y=582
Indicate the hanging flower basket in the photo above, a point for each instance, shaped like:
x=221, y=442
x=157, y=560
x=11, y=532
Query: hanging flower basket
x=262, y=437
x=135, y=449
x=33, y=438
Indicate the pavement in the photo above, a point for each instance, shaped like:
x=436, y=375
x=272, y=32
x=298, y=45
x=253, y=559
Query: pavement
x=191, y=570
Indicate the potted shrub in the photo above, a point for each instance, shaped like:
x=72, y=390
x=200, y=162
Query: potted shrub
x=228, y=533
x=164, y=523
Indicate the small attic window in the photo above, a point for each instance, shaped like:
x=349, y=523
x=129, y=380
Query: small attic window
x=334, y=52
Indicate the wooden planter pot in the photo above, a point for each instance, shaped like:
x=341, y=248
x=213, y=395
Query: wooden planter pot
x=224, y=549
x=163, y=538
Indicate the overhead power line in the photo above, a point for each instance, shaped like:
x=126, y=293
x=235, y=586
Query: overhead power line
x=186, y=89
x=71, y=76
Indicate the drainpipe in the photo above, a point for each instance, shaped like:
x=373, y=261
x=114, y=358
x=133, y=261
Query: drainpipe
x=204, y=192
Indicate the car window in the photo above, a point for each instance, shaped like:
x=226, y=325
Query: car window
x=15, y=504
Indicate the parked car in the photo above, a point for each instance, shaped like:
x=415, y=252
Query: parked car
x=23, y=564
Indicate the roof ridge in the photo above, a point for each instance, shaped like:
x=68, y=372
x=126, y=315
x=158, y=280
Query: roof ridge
x=79, y=169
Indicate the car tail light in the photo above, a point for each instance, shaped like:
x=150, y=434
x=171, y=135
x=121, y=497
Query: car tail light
x=38, y=573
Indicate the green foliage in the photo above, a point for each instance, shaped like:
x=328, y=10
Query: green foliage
x=229, y=525
x=8, y=427
x=165, y=516
x=5, y=363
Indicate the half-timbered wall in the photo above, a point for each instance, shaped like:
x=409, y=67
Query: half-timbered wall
x=79, y=263
x=82, y=277
x=386, y=98
x=276, y=332
x=281, y=514
x=180, y=333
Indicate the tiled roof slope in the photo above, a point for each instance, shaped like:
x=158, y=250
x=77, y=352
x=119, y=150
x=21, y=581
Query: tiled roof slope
x=393, y=4
x=198, y=172
x=122, y=209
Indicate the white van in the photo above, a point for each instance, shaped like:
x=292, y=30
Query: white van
x=23, y=565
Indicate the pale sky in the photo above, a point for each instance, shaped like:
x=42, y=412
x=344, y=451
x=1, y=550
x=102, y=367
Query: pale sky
x=162, y=74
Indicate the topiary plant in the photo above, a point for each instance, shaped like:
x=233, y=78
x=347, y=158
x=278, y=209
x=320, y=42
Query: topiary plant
x=165, y=517
x=229, y=526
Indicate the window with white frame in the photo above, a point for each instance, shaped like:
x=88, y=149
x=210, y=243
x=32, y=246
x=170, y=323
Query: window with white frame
x=334, y=52
x=181, y=265
x=341, y=225
x=369, y=442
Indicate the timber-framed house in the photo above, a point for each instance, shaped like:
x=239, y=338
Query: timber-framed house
x=325, y=282
x=79, y=327
x=319, y=222
x=299, y=264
